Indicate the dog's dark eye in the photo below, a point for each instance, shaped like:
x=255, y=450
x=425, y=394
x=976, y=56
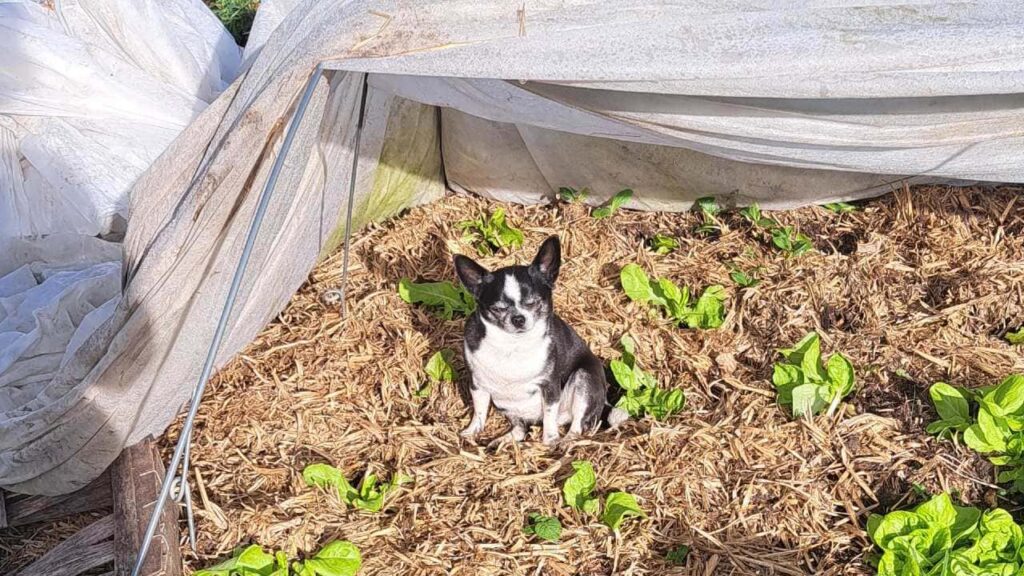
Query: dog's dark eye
x=531, y=302
x=499, y=307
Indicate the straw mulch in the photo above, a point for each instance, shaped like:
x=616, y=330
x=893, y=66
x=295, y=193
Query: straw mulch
x=917, y=287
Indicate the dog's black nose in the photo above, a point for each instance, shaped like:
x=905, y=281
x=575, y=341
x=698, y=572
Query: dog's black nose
x=518, y=320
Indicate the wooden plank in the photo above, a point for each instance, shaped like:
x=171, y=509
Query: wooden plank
x=135, y=479
x=23, y=510
x=91, y=547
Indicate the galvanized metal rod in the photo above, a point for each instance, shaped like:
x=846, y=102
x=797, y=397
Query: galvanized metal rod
x=211, y=354
x=352, y=193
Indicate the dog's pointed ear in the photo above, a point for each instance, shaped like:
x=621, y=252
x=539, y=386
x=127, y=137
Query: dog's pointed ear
x=471, y=274
x=548, y=260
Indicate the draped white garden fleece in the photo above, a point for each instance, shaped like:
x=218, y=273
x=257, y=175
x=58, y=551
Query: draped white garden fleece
x=782, y=102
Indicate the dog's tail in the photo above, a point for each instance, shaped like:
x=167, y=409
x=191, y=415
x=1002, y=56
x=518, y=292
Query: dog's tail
x=614, y=416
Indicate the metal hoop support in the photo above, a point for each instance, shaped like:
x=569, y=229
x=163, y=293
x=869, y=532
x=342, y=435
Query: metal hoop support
x=182, y=449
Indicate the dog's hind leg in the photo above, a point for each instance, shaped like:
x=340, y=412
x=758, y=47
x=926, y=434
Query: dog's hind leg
x=587, y=391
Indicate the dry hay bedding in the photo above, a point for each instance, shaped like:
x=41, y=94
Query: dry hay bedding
x=921, y=284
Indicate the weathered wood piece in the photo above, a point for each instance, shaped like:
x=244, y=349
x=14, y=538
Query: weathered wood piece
x=91, y=547
x=23, y=510
x=135, y=482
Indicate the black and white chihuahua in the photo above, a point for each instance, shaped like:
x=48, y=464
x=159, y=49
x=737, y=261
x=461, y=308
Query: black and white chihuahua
x=526, y=360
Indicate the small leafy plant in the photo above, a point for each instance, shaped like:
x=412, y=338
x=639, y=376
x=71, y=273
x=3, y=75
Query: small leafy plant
x=706, y=313
x=439, y=369
x=785, y=238
x=998, y=429
x=677, y=556
x=613, y=205
x=942, y=539
x=579, y=488
x=370, y=494
x=641, y=394
x=544, y=527
x=663, y=244
x=572, y=195
x=709, y=209
x=953, y=408
x=744, y=279
x=338, y=558
x=444, y=298
x=808, y=385
x=491, y=234
x=839, y=207
x=617, y=507
x=1015, y=338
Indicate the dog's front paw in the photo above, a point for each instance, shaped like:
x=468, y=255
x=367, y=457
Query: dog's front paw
x=551, y=440
x=471, y=431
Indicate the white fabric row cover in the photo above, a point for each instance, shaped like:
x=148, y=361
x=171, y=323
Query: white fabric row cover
x=784, y=102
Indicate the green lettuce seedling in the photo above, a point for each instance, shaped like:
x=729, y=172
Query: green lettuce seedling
x=677, y=556
x=1015, y=338
x=439, y=369
x=369, y=496
x=784, y=238
x=953, y=408
x=662, y=244
x=808, y=385
x=578, y=488
x=640, y=392
x=709, y=209
x=572, y=195
x=249, y=561
x=338, y=558
x=706, y=313
x=544, y=527
x=839, y=207
x=744, y=279
x=617, y=507
x=613, y=205
x=942, y=539
x=491, y=234
x=444, y=298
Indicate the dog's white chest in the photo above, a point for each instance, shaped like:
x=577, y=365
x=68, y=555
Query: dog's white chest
x=510, y=367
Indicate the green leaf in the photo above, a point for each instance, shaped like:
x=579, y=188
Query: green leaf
x=325, y=476
x=953, y=409
x=665, y=403
x=743, y=279
x=616, y=202
x=623, y=374
x=635, y=283
x=339, y=558
x=662, y=244
x=617, y=507
x=491, y=233
x=708, y=206
x=572, y=195
x=632, y=404
x=709, y=310
x=1015, y=337
x=807, y=400
x=628, y=349
x=439, y=367
x=578, y=488
x=544, y=527
x=1009, y=395
x=795, y=355
x=665, y=290
x=250, y=561
x=677, y=556
x=840, y=375
x=786, y=377
x=840, y=207
x=445, y=298
x=752, y=213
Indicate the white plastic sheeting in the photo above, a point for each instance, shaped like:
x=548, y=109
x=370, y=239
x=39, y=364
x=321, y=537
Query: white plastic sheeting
x=91, y=92
x=785, y=102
